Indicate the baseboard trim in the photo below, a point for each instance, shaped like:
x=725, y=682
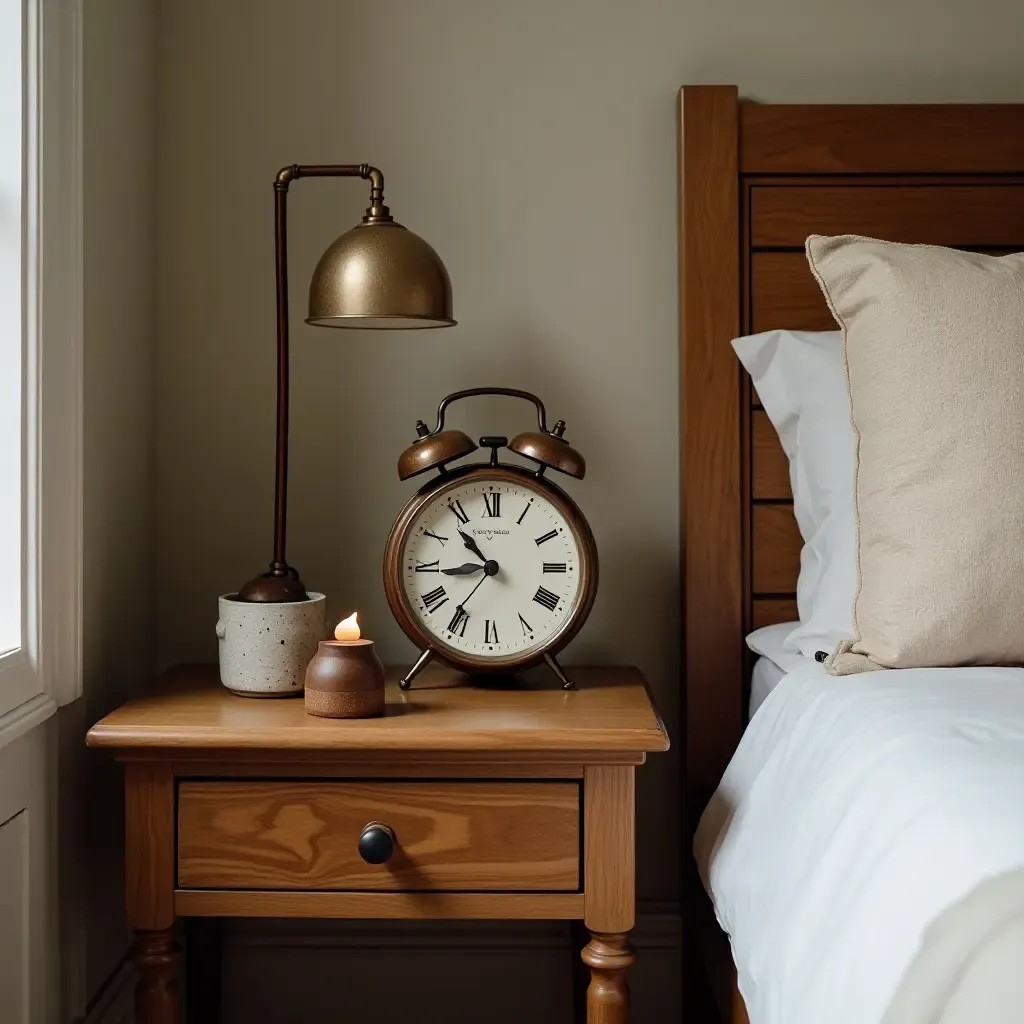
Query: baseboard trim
x=114, y=1003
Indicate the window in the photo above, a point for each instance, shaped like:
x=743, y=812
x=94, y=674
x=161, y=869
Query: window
x=11, y=342
x=40, y=351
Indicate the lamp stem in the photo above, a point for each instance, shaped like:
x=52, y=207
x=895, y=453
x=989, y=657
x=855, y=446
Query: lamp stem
x=281, y=468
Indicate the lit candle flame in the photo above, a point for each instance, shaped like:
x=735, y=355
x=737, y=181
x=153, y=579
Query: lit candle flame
x=347, y=629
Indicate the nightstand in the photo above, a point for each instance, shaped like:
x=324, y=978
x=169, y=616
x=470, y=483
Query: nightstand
x=465, y=800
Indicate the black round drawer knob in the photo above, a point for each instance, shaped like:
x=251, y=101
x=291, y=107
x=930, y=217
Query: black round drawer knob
x=376, y=843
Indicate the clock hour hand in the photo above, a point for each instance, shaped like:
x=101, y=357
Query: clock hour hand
x=472, y=545
x=466, y=569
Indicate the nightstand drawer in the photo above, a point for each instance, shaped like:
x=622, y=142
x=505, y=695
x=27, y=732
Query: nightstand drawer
x=450, y=836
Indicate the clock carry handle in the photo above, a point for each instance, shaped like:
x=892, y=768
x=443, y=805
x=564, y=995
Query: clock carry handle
x=434, y=449
x=455, y=396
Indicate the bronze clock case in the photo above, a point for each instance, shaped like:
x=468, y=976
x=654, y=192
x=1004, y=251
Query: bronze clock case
x=404, y=614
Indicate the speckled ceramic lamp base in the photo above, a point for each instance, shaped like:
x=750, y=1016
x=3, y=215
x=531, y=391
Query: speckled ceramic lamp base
x=345, y=679
x=265, y=647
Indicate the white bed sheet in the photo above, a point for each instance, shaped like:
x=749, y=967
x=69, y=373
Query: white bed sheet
x=775, y=661
x=855, y=811
x=764, y=677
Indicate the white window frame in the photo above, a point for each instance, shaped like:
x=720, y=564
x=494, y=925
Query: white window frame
x=46, y=672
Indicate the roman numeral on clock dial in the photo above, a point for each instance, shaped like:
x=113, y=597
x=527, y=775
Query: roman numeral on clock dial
x=434, y=599
x=546, y=598
x=549, y=566
x=460, y=512
x=428, y=533
x=433, y=566
x=492, y=504
x=490, y=632
x=546, y=537
x=526, y=627
x=459, y=620
x=522, y=515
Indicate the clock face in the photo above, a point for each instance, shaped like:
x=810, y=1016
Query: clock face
x=490, y=567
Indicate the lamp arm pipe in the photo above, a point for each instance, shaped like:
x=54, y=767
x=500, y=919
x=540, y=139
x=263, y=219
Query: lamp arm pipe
x=283, y=179
x=288, y=174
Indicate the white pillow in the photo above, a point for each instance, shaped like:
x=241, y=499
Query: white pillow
x=800, y=378
x=770, y=642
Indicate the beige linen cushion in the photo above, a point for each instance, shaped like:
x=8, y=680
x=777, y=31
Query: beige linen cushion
x=934, y=342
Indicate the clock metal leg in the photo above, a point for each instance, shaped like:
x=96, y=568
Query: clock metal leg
x=421, y=663
x=567, y=683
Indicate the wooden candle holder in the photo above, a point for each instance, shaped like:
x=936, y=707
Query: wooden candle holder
x=345, y=679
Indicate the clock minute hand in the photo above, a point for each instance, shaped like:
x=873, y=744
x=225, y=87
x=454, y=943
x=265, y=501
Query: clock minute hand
x=466, y=569
x=472, y=545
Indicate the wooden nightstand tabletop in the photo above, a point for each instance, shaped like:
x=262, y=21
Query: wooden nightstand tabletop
x=610, y=712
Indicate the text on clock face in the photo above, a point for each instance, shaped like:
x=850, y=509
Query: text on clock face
x=491, y=568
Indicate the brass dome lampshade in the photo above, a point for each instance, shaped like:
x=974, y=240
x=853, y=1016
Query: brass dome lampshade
x=380, y=275
x=377, y=276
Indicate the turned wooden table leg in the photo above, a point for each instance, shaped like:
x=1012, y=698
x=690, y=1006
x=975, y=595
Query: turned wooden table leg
x=609, y=897
x=157, y=998
x=609, y=957
x=149, y=890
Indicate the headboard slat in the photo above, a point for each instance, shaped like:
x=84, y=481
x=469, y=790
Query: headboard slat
x=770, y=610
x=776, y=543
x=953, y=215
x=785, y=296
x=770, y=467
x=875, y=139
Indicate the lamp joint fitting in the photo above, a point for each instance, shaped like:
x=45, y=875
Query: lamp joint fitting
x=285, y=177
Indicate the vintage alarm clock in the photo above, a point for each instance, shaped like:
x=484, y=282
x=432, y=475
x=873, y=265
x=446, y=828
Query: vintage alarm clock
x=490, y=567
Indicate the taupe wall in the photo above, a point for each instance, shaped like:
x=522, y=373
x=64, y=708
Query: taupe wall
x=533, y=144
x=119, y=196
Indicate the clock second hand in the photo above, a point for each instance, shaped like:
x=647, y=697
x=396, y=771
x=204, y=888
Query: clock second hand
x=490, y=569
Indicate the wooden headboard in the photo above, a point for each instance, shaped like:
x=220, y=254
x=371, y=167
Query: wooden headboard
x=754, y=181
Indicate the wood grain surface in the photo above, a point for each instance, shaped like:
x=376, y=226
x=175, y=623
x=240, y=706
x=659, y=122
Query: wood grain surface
x=785, y=296
x=149, y=846
x=457, y=836
x=157, y=960
x=937, y=214
x=711, y=523
x=609, y=848
x=373, y=765
x=770, y=610
x=769, y=468
x=445, y=711
x=381, y=906
x=776, y=544
x=875, y=139
x=609, y=958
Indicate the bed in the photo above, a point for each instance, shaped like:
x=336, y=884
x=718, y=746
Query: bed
x=754, y=181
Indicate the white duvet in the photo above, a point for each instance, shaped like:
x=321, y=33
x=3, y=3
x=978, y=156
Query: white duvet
x=847, y=846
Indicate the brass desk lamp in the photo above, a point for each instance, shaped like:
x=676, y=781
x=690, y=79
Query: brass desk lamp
x=378, y=275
